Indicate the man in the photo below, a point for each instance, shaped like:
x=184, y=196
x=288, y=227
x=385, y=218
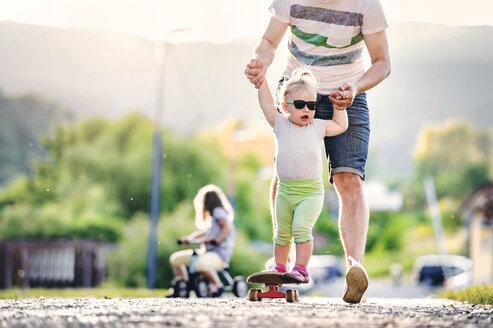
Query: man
x=328, y=37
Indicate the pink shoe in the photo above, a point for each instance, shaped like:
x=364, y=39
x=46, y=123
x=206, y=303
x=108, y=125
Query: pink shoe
x=278, y=268
x=298, y=274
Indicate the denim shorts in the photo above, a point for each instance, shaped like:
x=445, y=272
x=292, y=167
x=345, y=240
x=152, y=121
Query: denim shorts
x=346, y=152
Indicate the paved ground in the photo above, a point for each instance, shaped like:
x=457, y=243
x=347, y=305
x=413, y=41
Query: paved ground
x=232, y=312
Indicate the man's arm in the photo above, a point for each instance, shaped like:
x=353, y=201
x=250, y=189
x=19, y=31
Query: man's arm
x=265, y=51
x=378, y=49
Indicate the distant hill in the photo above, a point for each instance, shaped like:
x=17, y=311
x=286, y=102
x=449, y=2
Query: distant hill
x=24, y=121
x=438, y=72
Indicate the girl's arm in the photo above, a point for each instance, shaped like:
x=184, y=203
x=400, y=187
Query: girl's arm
x=224, y=232
x=196, y=235
x=267, y=103
x=338, y=124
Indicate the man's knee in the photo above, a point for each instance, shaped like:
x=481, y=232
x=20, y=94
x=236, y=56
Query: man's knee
x=348, y=182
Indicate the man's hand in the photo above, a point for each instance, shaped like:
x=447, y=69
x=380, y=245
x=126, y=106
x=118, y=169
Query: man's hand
x=344, y=97
x=255, y=72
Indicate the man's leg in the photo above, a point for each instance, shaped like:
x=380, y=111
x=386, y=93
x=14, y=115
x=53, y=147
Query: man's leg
x=353, y=214
x=353, y=226
x=348, y=153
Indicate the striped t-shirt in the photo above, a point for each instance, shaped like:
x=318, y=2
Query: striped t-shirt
x=327, y=36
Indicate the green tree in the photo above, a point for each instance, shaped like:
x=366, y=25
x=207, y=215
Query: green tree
x=456, y=155
x=101, y=169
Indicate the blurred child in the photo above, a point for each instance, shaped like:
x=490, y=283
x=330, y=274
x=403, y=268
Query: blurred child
x=214, y=218
x=299, y=147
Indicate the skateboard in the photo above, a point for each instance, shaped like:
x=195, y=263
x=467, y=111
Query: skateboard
x=273, y=281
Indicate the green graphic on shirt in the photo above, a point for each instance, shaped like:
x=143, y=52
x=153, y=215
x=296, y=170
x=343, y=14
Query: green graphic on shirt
x=317, y=60
x=320, y=40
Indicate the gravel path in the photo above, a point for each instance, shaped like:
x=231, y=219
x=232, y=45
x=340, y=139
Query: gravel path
x=232, y=312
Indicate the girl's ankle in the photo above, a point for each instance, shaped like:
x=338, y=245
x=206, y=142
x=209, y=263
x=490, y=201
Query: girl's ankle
x=280, y=268
x=301, y=268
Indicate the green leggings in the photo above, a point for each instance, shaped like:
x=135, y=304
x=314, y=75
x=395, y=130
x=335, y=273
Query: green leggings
x=298, y=205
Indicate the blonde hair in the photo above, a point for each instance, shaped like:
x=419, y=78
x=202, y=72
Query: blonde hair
x=301, y=78
x=208, y=198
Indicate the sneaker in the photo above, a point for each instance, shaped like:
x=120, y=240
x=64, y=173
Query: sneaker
x=218, y=293
x=356, y=282
x=297, y=275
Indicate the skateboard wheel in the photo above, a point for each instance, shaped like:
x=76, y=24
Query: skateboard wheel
x=258, y=292
x=296, y=295
x=290, y=295
x=252, y=295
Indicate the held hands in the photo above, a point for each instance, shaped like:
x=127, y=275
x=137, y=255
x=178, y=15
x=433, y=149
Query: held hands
x=344, y=97
x=255, y=72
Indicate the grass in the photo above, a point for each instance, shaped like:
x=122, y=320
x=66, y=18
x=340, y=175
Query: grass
x=474, y=295
x=16, y=293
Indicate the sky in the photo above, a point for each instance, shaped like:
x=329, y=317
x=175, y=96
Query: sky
x=214, y=20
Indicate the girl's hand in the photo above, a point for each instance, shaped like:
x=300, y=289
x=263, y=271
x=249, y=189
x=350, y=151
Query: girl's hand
x=344, y=97
x=183, y=241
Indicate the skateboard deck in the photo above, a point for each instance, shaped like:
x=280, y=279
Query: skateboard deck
x=271, y=278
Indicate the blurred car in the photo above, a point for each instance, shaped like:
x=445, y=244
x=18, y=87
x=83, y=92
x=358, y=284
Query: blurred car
x=324, y=268
x=452, y=272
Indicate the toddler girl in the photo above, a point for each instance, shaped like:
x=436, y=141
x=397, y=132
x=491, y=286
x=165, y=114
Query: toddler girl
x=299, y=142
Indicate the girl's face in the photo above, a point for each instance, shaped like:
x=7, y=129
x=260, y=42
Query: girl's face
x=303, y=116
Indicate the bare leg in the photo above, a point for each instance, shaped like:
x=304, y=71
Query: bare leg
x=180, y=271
x=281, y=254
x=213, y=277
x=304, y=252
x=353, y=214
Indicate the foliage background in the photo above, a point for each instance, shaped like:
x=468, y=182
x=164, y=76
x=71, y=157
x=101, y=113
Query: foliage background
x=90, y=179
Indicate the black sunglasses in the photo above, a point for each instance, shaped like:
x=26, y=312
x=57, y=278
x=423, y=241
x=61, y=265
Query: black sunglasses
x=300, y=104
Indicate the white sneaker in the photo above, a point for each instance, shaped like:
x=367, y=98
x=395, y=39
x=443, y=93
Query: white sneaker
x=356, y=282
